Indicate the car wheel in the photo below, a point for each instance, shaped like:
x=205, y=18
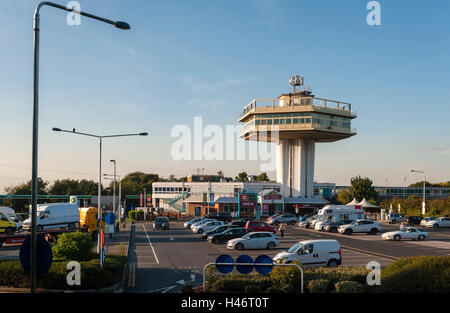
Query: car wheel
x=271, y=245
x=373, y=231
x=239, y=246
x=292, y=223
x=9, y=231
x=39, y=228
x=200, y=231
x=421, y=237
x=394, y=221
x=397, y=237
x=71, y=226
x=20, y=229
x=436, y=226
x=348, y=231
x=333, y=263
x=333, y=230
x=214, y=240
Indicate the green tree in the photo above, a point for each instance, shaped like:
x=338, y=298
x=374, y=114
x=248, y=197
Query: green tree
x=134, y=183
x=243, y=176
x=262, y=177
x=25, y=188
x=362, y=188
x=343, y=197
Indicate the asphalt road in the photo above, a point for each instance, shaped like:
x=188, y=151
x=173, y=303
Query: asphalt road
x=163, y=260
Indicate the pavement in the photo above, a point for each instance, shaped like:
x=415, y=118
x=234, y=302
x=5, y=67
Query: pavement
x=162, y=261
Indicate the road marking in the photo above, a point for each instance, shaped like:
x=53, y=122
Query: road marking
x=149, y=241
x=162, y=290
x=171, y=238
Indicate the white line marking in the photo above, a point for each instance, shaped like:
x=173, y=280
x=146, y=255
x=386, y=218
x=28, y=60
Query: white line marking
x=150, y=243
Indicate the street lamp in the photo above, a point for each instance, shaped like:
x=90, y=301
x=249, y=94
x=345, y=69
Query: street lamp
x=114, y=192
x=34, y=166
x=120, y=194
x=99, y=176
x=424, y=180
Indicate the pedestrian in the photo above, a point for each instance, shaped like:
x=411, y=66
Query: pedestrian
x=281, y=229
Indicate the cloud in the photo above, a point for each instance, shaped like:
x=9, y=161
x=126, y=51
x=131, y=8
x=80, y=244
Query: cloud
x=130, y=50
x=443, y=151
x=200, y=86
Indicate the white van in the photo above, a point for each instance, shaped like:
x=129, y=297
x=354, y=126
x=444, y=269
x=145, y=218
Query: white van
x=12, y=216
x=312, y=253
x=54, y=216
x=337, y=213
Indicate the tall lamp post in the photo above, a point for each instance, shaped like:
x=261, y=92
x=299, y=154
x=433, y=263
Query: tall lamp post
x=119, y=208
x=99, y=249
x=424, y=180
x=114, y=185
x=34, y=166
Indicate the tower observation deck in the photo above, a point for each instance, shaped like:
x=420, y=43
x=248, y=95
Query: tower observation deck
x=295, y=122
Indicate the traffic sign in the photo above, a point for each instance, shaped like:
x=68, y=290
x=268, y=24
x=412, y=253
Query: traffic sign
x=103, y=255
x=44, y=257
x=264, y=269
x=245, y=269
x=110, y=218
x=225, y=269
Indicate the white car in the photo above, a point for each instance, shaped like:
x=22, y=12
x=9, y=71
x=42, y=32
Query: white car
x=191, y=222
x=427, y=219
x=406, y=233
x=439, y=222
x=256, y=240
x=207, y=227
x=203, y=221
x=360, y=226
x=312, y=253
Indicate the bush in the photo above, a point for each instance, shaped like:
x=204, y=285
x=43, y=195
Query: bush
x=276, y=290
x=238, y=283
x=286, y=277
x=349, y=287
x=92, y=277
x=140, y=215
x=425, y=274
x=319, y=286
x=334, y=275
x=253, y=289
x=187, y=288
x=74, y=246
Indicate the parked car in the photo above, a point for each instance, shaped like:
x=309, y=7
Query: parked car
x=161, y=222
x=54, y=216
x=305, y=217
x=191, y=222
x=283, y=218
x=254, y=240
x=333, y=226
x=257, y=226
x=396, y=218
x=427, y=219
x=228, y=234
x=360, y=226
x=220, y=216
x=203, y=221
x=217, y=230
x=6, y=225
x=413, y=220
x=439, y=222
x=306, y=223
x=241, y=222
x=312, y=253
x=206, y=227
x=319, y=218
x=406, y=233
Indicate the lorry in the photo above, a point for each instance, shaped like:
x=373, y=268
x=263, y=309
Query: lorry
x=89, y=221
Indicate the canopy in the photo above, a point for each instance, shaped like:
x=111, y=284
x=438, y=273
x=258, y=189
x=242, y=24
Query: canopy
x=354, y=202
x=366, y=204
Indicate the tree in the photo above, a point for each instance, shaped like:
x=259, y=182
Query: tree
x=243, y=176
x=73, y=187
x=262, y=177
x=362, y=188
x=25, y=188
x=134, y=183
x=344, y=197
x=419, y=184
x=220, y=173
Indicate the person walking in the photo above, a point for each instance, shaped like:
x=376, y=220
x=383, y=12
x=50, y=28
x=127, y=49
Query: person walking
x=281, y=228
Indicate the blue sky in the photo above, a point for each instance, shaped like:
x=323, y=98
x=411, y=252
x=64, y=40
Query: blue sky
x=183, y=59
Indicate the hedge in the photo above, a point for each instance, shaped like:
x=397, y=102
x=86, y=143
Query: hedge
x=140, y=215
x=349, y=287
x=92, y=277
x=75, y=246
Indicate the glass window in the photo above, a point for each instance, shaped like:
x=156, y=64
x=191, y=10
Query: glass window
x=295, y=120
x=302, y=120
x=257, y=122
x=288, y=121
x=269, y=122
x=263, y=122
x=282, y=121
x=276, y=121
x=308, y=120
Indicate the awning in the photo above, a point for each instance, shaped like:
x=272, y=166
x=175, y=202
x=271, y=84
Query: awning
x=366, y=204
x=354, y=202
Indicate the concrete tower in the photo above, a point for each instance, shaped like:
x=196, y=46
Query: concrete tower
x=296, y=121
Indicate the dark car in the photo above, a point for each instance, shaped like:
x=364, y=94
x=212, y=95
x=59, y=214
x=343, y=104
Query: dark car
x=413, y=220
x=229, y=234
x=241, y=222
x=217, y=230
x=305, y=217
x=219, y=216
x=161, y=222
x=333, y=226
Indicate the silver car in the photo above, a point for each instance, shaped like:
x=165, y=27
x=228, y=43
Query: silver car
x=283, y=218
x=255, y=240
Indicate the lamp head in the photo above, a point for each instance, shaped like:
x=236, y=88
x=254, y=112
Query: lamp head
x=122, y=25
x=143, y=134
x=56, y=129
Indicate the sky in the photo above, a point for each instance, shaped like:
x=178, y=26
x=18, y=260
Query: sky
x=209, y=58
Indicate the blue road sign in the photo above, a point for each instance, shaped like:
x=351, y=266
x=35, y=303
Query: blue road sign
x=264, y=269
x=103, y=255
x=225, y=269
x=44, y=256
x=245, y=269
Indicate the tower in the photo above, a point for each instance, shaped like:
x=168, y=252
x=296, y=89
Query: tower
x=295, y=122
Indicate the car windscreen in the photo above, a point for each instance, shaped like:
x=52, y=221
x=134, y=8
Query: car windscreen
x=295, y=247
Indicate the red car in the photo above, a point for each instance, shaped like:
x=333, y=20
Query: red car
x=259, y=226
